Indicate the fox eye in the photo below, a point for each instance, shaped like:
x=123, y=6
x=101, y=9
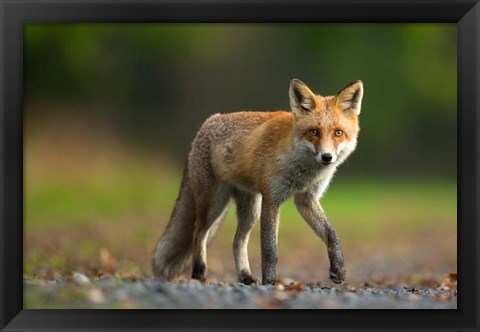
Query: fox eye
x=338, y=132
x=314, y=132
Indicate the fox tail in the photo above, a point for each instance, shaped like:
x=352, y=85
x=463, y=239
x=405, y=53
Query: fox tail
x=173, y=253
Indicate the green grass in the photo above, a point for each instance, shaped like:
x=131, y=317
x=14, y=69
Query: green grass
x=54, y=200
x=358, y=204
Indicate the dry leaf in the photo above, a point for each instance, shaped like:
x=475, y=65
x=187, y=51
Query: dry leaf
x=449, y=282
x=296, y=287
x=129, y=277
x=108, y=264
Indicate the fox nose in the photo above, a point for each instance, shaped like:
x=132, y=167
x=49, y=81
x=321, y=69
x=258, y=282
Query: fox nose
x=326, y=157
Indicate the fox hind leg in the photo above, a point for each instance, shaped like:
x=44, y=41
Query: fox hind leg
x=211, y=206
x=248, y=212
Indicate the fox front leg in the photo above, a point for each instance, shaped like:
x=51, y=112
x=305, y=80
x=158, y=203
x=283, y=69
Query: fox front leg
x=311, y=210
x=269, y=238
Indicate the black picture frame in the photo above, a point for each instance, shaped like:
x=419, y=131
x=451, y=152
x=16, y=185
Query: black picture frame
x=15, y=13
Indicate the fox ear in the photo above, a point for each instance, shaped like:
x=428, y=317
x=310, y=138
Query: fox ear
x=302, y=99
x=350, y=98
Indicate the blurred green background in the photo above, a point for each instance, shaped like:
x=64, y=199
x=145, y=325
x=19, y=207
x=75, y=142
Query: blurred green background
x=110, y=111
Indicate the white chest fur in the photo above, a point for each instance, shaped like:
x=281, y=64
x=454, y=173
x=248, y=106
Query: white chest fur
x=301, y=174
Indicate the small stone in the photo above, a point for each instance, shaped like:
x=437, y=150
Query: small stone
x=80, y=279
x=287, y=281
x=278, y=285
x=96, y=295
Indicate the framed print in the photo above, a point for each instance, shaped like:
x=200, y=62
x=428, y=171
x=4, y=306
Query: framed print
x=226, y=155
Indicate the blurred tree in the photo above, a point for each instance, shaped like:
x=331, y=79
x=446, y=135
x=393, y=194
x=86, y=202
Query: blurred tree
x=159, y=82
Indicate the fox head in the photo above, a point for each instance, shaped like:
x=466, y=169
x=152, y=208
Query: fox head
x=326, y=128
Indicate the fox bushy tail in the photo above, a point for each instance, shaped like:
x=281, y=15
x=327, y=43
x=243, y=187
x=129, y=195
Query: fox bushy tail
x=173, y=253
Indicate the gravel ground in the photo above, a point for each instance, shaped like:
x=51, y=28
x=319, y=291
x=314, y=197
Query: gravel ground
x=79, y=291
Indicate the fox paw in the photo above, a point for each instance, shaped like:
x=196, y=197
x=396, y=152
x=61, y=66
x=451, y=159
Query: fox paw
x=247, y=280
x=199, y=272
x=337, y=275
x=201, y=278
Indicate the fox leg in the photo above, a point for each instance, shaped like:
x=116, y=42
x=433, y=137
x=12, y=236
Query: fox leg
x=248, y=212
x=269, y=238
x=210, y=210
x=311, y=210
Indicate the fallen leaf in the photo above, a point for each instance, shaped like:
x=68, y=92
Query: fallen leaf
x=108, y=264
x=294, y=287
x=449, y=281
x=129, y=277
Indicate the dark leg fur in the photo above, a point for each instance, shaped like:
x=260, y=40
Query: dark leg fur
x=269, y=236
x=314, y=215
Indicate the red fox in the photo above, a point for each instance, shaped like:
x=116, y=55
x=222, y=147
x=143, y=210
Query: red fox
x=260, y=159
